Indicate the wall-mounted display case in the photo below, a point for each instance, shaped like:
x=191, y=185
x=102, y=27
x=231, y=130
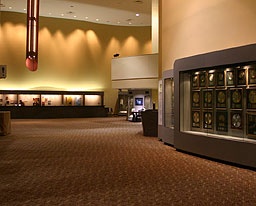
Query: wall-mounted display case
x=225, y=106
x=215, y=105
x=31, y=104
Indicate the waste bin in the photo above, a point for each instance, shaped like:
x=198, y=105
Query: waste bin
x=5, y=122
x=150, y=123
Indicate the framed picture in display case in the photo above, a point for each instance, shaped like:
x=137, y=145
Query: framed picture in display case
x=196, y=99
x=211, y=79
x=220, y=78
x=221, y=121
x=251, y=124
x=208, y=120
x=252, y=75
x=207, y=98
x=196, y=119
x=138, y=101
x=241, y=77
x=195, y=80
x=236, y=120
x=251, y=98
x=236, y=98
x=230, y=77
x=221, y=98
x=202, y=79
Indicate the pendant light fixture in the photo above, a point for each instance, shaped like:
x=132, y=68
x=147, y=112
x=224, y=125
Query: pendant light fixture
x=32, y=34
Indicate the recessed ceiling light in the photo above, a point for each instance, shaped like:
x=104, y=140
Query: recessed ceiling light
x=137, y=14
x=97, y=19
x=62, y=14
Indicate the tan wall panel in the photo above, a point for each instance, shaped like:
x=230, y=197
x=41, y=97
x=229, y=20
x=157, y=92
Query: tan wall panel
x=136, y=83
x=198, y=26
x=73, y=55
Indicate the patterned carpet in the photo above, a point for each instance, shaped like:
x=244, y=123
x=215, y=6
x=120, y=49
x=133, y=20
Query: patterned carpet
x=108, y=162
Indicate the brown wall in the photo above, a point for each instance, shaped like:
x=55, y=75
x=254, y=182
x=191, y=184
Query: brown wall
x=73, y=55
x=199, y=26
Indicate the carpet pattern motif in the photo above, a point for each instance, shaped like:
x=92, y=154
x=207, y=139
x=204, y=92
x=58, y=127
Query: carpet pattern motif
x=108, y=161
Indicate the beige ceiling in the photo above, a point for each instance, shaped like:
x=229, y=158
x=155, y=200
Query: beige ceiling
x=114, y=12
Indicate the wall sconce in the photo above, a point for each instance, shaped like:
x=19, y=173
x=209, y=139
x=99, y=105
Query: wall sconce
x=32, y=34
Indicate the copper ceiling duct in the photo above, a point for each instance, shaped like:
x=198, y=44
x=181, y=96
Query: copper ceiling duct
x=32, y=34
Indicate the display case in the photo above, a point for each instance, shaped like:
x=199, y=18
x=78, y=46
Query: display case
x=218, y=107
x=52, y=104
x=166, y=129
x=215, y=105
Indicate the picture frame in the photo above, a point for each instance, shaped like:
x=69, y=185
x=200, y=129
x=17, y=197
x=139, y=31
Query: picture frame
x=196, y=119
x=236, y=120
x=221, y=121
x=252, y=75
x=251, y=98
x=230, y=77
x=241, y=77
x=236, y=98
x=196, y=99
x=138, y=101
x=207, y=98
x=221, y=98
x=220, y=78
x=208, y=119
x=251, y=124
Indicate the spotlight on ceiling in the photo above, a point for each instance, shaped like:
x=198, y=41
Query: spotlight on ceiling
x=116, y=55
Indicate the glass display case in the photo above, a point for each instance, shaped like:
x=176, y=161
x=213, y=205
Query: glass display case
x=219, y=101
x=215, y=105
x=52, y=104
x=166, y=129
x=169, y=102
x=51, y=100
x=8, y=99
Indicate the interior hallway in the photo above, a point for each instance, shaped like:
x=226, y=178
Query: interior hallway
x=108, y=161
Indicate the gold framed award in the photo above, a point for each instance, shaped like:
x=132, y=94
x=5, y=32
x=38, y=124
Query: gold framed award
x=195, y=80
x=221, y=98
x=251, y=124
x=207, y=120
x=196, y=119
x=241, y=77
x=230, y=76
x=196, y=99
x=220, y=78
x=221, y=121
x=252, y=75
x=251, y=98
x=208, y=96
x=202, y=79
x=236, y=97
x=236, y=120
x=211, y=79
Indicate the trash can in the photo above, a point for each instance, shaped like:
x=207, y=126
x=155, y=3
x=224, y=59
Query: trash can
x=150, y=122
x=5, y=122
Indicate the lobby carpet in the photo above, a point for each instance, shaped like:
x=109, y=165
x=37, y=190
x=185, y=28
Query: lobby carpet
x=108, y=162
